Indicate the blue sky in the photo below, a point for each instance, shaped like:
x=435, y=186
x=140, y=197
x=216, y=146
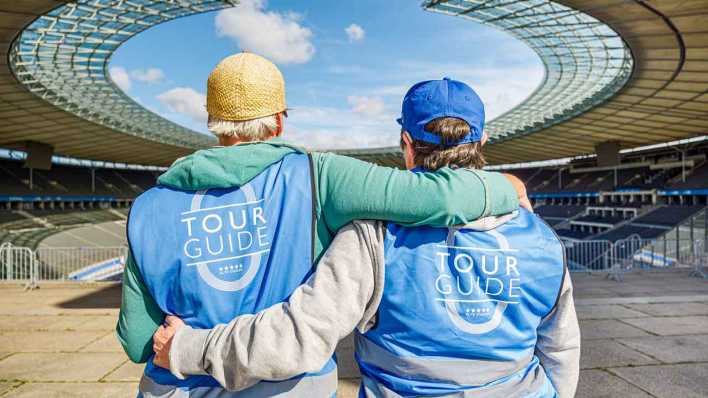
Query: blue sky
x=347, y=65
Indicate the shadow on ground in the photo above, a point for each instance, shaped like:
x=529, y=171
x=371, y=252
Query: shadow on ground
x=105, y=297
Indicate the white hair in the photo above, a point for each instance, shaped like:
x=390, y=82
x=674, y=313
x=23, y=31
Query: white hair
x=259, y=129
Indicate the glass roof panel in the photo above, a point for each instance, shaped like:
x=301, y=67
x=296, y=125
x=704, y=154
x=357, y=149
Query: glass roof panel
x=63, y=57
x=586, y=61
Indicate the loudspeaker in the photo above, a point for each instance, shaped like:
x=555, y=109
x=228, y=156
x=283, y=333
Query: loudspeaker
x=39, y=155
x=608, y=153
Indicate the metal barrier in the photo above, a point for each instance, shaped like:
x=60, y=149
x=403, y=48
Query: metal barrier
x=18, y=264
x=594, y=255
x=634, y=252
x=60, y=264
x=79, y=263
x=700, y=260
x=107, y=263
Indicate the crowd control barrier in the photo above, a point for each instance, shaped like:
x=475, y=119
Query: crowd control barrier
x=635, y=253
x=21, y=264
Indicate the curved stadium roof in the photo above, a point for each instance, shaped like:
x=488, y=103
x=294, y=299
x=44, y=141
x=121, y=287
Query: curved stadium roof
x=624, y=70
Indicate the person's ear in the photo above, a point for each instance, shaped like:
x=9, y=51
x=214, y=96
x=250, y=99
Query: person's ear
x=408, y=152
x=485, y=137
x=279, y=130
x=406, y=139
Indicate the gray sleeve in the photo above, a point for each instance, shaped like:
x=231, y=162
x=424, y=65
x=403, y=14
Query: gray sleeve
x=558, y=344
x=297, y=336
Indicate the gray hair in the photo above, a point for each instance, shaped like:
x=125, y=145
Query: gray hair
x=259, y=129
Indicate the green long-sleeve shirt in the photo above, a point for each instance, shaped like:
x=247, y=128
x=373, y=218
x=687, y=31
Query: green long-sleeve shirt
x=347, y=189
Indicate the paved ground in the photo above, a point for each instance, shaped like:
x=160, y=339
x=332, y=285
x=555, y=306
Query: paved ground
x=646, y=337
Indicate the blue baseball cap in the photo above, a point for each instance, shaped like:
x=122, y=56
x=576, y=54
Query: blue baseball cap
x=434, y=99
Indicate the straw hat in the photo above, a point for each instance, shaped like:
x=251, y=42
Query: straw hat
x=245, y=86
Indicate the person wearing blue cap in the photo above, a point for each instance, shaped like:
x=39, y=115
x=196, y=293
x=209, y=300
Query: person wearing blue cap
x=478, y=310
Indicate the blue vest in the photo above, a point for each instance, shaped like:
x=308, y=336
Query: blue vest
x=460, y=309
x=209, y=256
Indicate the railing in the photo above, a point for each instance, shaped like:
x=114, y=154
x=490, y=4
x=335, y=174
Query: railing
x=107, y=263
x=18, y=264
x=593, y=255
x=61, y=263
x=79, y=263
x=635, y=253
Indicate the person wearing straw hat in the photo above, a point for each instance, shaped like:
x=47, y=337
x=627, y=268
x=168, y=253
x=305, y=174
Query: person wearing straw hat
x=480, y=310
x=235, y=229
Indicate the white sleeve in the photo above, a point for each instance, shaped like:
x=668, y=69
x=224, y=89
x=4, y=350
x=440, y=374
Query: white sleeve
x=558, y=344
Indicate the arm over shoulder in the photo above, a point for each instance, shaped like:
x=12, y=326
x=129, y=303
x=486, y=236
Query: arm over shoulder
x=351, y=189
x=297, y=336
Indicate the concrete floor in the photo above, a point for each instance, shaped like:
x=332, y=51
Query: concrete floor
x=645, y=337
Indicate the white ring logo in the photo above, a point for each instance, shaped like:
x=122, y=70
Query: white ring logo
x=451, y=306
x=254, y=260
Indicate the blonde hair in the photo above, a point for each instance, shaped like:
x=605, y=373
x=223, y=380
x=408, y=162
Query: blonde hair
x=259, y=129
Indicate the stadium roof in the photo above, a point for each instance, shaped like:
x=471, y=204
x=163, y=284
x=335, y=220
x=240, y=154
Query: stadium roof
x=655, y=89
x=625, y=70
x=60, y=54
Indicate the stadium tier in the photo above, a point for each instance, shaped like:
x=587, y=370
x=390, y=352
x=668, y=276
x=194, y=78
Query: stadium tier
x=36, y=204
x=68, y=181
x=648, y=195
x=30, y=228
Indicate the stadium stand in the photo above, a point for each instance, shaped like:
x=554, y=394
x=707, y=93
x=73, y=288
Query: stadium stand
x=10, y=221
x=625, y=231
x=697, y=179
x=667, y=216
x=559, y=211
x=648, y=194
x=59, y=217
x=63, y=198
x=73, y=180
x=29, y=228
x=574, y=234
x=598, y=219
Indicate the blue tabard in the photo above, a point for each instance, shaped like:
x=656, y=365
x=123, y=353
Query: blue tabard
x=460, y=309
x=210, y=256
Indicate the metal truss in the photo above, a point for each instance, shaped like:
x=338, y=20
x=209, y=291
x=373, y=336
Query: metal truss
x=586, y=62
x=63, y=58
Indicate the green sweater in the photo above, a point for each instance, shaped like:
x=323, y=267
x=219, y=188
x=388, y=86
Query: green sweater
x=347, y=189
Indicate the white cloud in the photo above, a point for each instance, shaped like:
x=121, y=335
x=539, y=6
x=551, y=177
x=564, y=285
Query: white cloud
x=120, y=77
x=336, y=128
x=370, y=120
x=369, y=106
x=393, y=90
x=186, y=101
x=150, y=75
x=500, y=87
x=329, y=139
x=355, y=32
x=124, y=78
x=277, y=36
